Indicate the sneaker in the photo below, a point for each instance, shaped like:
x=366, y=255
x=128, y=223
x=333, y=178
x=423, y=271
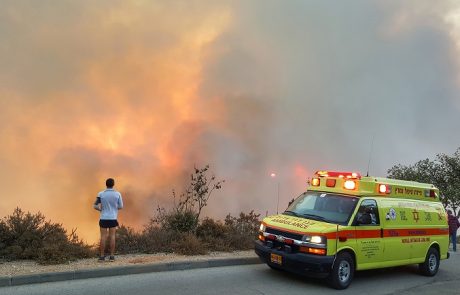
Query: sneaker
x=112, y=258
x=101, y=258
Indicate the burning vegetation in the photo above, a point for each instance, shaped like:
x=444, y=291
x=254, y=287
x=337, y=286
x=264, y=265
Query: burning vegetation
x=180, y=230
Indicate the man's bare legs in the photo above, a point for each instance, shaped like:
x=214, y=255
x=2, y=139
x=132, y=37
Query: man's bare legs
x=112, y=232
x=104, y=233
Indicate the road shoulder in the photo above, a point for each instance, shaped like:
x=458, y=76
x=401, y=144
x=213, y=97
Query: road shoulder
x=125, y=265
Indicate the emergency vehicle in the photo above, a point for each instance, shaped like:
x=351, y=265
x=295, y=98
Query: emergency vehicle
x=345, y=222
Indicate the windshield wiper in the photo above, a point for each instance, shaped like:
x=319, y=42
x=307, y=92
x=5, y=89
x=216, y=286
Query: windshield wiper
x=289, y=212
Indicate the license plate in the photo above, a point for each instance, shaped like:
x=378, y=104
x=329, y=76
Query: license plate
x=277, y=259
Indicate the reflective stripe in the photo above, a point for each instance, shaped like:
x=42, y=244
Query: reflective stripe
x=410, y=232
x=373, y=233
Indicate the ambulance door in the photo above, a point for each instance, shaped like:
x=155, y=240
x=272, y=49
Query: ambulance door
x=369, y=238
x=396, y=224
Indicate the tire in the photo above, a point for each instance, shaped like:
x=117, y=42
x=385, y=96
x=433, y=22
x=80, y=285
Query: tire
x=431, y=265
x=342, y=272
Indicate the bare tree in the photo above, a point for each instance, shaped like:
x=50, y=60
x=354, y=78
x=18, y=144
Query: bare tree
x=197, y=194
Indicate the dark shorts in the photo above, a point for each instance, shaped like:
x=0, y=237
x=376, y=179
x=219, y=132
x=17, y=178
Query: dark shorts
x=105, y=223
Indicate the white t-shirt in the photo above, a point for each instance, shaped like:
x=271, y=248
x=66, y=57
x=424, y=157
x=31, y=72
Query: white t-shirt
x=111, y=201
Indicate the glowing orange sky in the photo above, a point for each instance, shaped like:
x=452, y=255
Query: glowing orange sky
x=129, y=83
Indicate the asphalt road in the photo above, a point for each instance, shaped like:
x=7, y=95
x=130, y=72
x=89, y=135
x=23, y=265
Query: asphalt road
x=255, y=279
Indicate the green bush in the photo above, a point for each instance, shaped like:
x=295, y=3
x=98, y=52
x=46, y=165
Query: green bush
x=28, y=236
x=183, y=222
x=175, y=220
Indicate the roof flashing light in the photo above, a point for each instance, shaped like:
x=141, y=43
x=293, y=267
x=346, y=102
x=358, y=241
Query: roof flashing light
x=349, y=184
x=315, y=182
x=330, y=182
x=384, y=189
x=338, y=174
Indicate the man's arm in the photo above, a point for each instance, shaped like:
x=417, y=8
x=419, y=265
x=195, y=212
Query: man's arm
x=97, y=204
x=120, y=203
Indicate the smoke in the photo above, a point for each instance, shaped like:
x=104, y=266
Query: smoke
x=145, y=91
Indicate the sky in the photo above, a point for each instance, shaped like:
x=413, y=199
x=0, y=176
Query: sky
x=144, y=91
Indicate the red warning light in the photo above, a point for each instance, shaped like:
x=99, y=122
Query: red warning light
x=330, y=182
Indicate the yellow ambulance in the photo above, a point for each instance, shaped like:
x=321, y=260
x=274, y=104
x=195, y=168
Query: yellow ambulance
x=345, y=222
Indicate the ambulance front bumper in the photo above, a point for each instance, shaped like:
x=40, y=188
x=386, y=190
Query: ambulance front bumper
x=305, y=264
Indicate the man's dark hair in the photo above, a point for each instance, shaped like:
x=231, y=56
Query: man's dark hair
x=110, y=182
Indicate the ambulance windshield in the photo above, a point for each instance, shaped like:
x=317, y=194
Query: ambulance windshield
x=326, y=207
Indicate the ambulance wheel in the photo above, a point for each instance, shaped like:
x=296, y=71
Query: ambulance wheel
x=342, y=272
x=430, y=267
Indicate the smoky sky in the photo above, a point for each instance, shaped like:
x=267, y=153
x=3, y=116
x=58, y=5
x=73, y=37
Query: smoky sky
x=143, y=91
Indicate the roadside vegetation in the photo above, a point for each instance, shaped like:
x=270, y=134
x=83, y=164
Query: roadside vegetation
x=29, y=236
x=443, y=171
x=234, y=233
x=181, y=229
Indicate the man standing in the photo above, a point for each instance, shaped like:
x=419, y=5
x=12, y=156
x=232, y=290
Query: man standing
x=108, y=202
x=453, y=226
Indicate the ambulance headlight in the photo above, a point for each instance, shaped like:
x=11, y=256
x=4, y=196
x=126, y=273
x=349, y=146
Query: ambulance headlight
x=314, y=239
x=262, y=227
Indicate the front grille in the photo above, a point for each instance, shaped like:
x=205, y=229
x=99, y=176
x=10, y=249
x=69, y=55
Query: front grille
x=283, y=233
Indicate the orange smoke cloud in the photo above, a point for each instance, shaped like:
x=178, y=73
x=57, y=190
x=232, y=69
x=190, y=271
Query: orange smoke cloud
x=115, y=96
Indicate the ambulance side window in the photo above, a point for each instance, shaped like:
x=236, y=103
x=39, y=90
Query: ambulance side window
x=368, y=213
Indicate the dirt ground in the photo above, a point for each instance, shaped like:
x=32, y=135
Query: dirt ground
x=30, y=267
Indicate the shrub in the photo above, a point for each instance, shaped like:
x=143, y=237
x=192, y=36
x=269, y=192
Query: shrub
x=181, y=221
x=155, y=239
x=175, y=220
x=213, y=234
x=189, y=244
x=28, y=236
x=209, y=228
x=184, y=216
x=127, y=240
x=243, y=230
